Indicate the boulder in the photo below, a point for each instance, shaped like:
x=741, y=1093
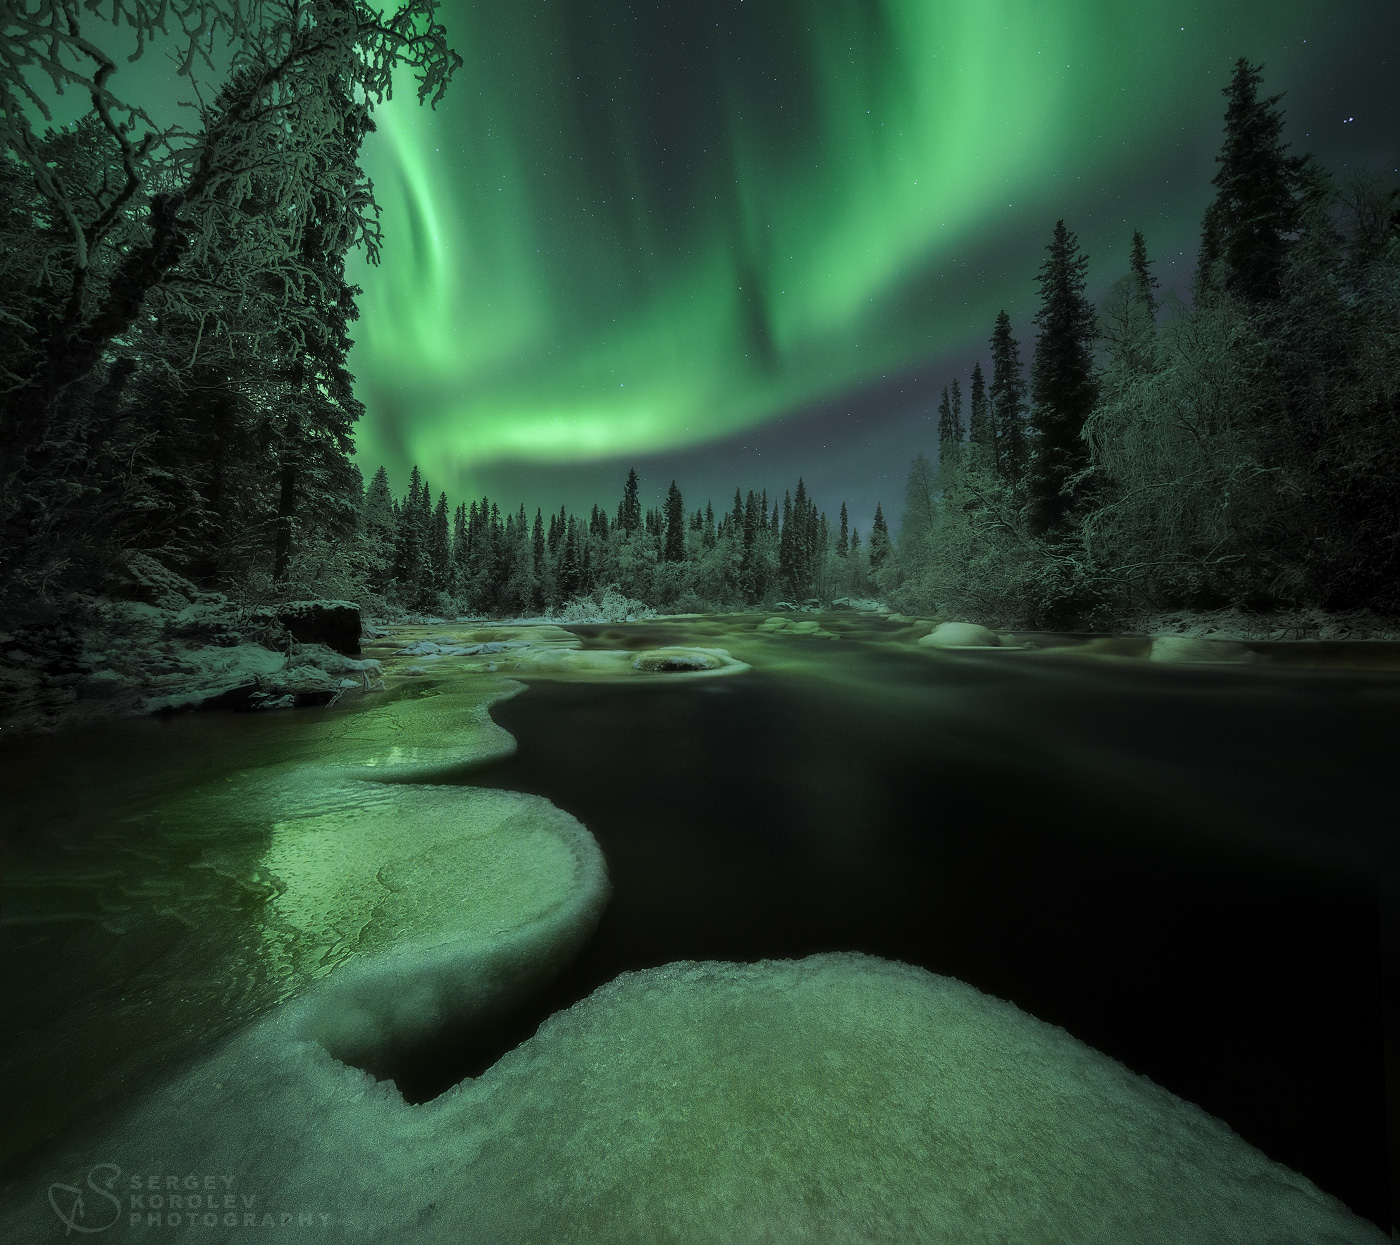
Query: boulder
x=674, y=661
x=335, y=624
x=1196, y=648
x=960, y=635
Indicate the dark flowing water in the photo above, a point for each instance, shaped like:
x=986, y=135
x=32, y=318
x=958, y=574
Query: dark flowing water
x=1177, y=864
x=1164, y=862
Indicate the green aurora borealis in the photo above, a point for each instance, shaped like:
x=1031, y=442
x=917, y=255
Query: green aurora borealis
x=650, y=230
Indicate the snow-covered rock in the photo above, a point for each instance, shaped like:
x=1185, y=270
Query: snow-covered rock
x=1197, y=648
x=960, y=635
x=787, y=626
x=186, y=649
x=421, y=648
x=865, y=605
x=333, y=623
x=675, y=660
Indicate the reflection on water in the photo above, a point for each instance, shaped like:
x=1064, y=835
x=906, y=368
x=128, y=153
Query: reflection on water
x=1171, y=862
x=168, y=880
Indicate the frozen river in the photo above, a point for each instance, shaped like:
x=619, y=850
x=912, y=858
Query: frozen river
x=1176, y=863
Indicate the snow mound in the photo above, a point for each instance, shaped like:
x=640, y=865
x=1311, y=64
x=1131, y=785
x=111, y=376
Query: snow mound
x=606, y=665
x=960, y=635
x=838, y=1098
x=454, y=901
x=1196, y=648
x=787, y=626
x=420, y=648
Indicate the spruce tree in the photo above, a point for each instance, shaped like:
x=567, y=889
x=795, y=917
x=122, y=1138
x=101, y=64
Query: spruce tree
x=748, y=564
x=950, y=429
x=785, y=545
x=379, y=523
x=490, y=557
x=1145, y=285
x=541, y=581
x=408, y=541
x=980, y=415
x=675, y=525
x=629, y=513
x=478, y=541
x=1246, y=230
x=1063, y=385
x=440, y=547
x=1128, y=333
x=879, y=539
x=1007, y=396
x=378, y=507
x=843, y=541
x=537, y=545
x=707, y=533
x=461, y=550
x=466, y=556
x=459, y=545
x=803, y=539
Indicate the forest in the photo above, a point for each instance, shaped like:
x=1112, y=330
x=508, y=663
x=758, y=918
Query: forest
x=1240, y=450
x=666, y=557
x=175, y=323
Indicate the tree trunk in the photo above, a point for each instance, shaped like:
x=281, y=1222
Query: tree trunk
x=286, y=512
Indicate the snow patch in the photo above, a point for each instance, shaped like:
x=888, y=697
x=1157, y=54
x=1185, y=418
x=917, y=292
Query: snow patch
x=1196, y=648
x=838, y=1098
x=960, y=635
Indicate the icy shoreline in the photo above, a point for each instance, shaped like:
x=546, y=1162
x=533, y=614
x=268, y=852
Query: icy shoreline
x=182, y=649
x=173, y=649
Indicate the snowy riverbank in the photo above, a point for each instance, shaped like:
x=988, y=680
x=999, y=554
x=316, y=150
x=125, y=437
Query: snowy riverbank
x=167, y=647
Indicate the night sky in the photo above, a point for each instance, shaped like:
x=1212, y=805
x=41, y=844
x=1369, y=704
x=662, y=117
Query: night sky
x=735, y=241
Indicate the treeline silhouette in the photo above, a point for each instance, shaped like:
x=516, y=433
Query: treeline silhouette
x=421, y=555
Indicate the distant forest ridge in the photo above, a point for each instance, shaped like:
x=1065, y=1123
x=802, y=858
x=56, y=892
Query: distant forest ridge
x=481, y=560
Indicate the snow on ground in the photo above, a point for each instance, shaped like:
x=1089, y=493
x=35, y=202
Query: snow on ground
x=838, y=1098
x=118, y=658
x=960, y=635
x=540, y=650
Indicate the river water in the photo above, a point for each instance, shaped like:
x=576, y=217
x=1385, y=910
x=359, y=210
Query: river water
x=1176, y=863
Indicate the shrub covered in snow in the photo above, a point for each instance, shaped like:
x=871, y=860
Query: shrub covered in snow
x=606, y=606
